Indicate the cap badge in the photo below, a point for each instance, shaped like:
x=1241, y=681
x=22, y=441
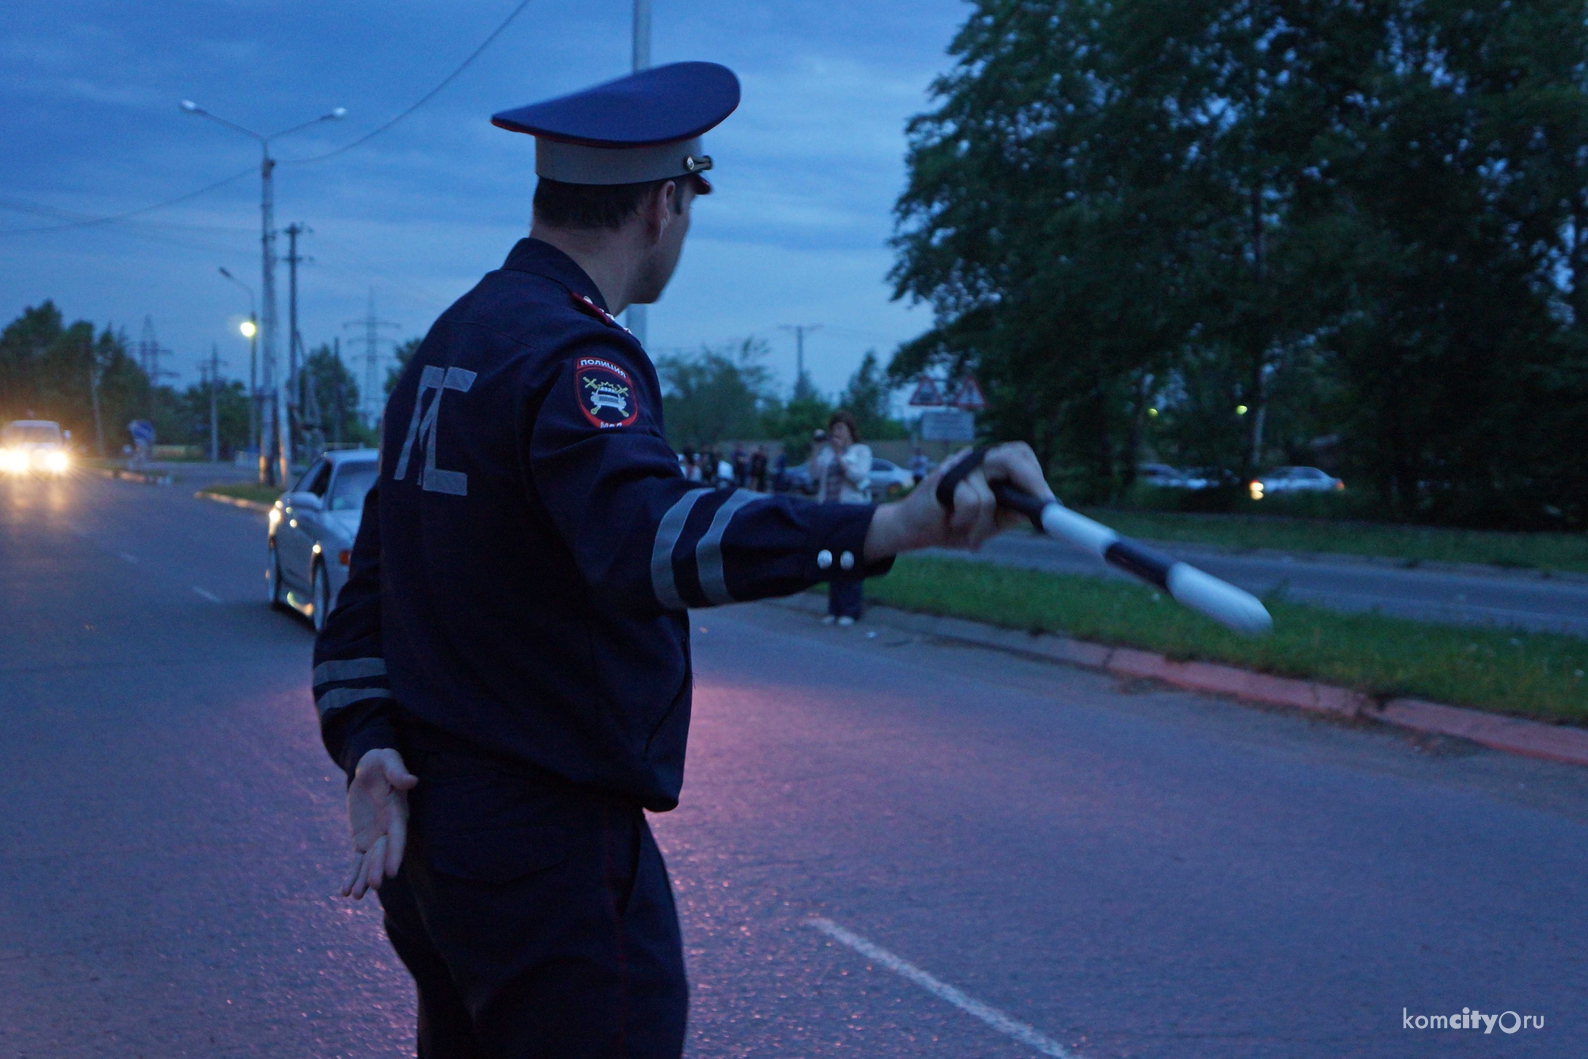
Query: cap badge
x=693, y=164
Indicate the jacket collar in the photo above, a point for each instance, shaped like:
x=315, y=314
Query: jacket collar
x=540, y=258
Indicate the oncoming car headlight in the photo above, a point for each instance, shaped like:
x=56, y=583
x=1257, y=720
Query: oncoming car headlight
x=56, y=462
x=13, y=461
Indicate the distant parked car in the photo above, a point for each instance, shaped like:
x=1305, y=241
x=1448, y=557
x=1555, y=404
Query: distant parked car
x=1208, y=478
x=1161, y=475
x=35, y=446
x=1298, y=480
x=312, y=529
x=888, y=479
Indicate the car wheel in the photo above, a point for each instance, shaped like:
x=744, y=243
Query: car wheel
x=273, y=580
x=320, y=593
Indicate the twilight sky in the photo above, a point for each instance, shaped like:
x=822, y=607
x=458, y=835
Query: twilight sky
x=807, y=170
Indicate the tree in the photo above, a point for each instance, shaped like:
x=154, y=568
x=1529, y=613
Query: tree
x=868, y=397
x=336, y=390
x=1360, y=219
x=49, y=370
x=404, y=352
x=714, y=394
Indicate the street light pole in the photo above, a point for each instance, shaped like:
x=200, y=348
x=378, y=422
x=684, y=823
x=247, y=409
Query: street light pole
x=250, y=331
x=274, y=424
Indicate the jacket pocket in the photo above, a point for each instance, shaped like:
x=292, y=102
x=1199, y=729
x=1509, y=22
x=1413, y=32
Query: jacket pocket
x=489, y=827
x=497, y=855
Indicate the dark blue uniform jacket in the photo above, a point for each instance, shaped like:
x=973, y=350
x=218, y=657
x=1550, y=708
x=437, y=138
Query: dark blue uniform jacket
x=524, y=563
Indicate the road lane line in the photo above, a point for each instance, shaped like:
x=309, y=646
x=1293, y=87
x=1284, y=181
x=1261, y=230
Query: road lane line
x=129, y=558
x=1027, y=1035
x=212, y=597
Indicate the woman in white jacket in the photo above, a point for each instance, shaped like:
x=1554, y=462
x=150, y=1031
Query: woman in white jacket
x=842, y=470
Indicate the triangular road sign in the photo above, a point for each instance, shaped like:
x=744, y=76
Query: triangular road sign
x=926, y=394
x=968, y=396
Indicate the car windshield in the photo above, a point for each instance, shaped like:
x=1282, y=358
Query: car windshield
x=31, y=434
x=353, y=480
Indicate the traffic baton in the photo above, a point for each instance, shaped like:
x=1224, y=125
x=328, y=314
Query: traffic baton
x=1223, y=602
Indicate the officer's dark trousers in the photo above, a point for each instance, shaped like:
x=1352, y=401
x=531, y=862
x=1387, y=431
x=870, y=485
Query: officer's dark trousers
x=537, y=920
x=845, y=597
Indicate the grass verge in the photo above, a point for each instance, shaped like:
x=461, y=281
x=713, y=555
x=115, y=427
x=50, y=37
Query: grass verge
x=1414, y=544
x=1536, y=675
x=264, y=494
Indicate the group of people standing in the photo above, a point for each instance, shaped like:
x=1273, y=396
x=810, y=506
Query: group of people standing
x=738, y=470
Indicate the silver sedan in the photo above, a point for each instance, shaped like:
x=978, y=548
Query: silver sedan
x=312, y=530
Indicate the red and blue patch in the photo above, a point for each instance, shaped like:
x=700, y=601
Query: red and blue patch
x=605, y=393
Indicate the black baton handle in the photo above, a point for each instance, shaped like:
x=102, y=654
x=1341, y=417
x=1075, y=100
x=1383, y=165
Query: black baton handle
x=956, y=474
x=1009, y=496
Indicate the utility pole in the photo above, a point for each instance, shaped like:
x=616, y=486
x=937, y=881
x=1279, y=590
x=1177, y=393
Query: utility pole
x=149, y=353
x=799, y=331
x=295, y=403
x=93, y=393
x=634, y=318
x=214, y=367
x=341, y=407
x=371, y=325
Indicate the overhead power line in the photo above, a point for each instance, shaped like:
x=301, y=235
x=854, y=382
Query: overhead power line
x=427, y=97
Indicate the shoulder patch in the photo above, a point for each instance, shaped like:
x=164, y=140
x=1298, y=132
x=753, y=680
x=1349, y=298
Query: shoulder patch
x=605, y=393
x=590, y=308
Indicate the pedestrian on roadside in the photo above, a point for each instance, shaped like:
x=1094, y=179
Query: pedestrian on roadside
x=509, y=659
x=758, y=469
x=741, y=466
x=843, y=476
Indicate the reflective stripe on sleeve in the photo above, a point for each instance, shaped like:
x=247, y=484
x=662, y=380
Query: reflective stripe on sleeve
x=708, y=553
x=667, y=533
x=349, y=669
x=338, y=698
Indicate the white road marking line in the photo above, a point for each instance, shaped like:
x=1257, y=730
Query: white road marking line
x=212, y=597
x=129, y=558
x=1027, y=1035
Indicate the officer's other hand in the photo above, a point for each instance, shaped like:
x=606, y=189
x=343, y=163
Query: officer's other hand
x=918, y=521
x=377, y=812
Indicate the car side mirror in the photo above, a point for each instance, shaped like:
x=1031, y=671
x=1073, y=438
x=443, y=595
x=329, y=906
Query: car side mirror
x=306, y=501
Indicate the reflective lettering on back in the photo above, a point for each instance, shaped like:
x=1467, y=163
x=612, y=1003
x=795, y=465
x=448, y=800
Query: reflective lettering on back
x=424, y=424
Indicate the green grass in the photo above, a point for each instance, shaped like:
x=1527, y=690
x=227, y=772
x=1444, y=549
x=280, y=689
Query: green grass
x=264, y=494
x=1414, y=544
x=1538, y=675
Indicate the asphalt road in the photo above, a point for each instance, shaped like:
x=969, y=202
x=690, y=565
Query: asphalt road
x=1518, y=600
x=1098, y=869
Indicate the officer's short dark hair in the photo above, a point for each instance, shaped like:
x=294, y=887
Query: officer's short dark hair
x=843, y=416
x=594, y=205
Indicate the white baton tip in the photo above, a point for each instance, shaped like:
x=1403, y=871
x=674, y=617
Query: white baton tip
x=1219, y=600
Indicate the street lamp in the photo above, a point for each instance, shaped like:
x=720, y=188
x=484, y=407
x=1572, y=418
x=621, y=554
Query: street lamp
x=249, y=329
x=267, y=240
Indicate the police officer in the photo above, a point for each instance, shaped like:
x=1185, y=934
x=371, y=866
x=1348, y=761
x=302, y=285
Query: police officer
x=506, y=676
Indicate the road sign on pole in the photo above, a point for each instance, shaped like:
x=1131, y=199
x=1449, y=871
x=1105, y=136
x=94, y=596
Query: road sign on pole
x=927, y=394
x=968, y=396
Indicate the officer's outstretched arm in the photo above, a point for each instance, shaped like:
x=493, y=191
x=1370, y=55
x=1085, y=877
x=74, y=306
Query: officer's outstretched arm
x=645, y=539
x=351, y=691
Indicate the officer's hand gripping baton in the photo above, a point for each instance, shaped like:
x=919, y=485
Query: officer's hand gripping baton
x=1219, y=600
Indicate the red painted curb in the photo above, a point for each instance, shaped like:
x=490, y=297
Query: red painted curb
x=1512, y=734
x=1547, y=741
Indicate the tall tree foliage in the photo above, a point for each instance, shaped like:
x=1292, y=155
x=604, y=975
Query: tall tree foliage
x=50, y=370
x=1351, y=217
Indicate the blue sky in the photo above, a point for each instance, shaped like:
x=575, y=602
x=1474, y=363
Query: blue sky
x=807, y=170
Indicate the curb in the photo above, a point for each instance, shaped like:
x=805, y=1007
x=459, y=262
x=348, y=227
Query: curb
x=134, y=476
x=1495, y=731
x=221, y=498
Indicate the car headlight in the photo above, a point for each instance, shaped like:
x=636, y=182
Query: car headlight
x=55, y=462
x=13, y=460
